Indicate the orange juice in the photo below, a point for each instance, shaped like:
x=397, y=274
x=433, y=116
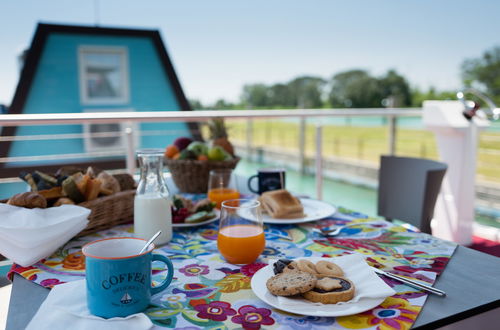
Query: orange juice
x=241, y=244
x=218, y=195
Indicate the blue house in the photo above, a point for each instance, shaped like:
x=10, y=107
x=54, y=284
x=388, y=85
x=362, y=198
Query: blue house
x=72, y=69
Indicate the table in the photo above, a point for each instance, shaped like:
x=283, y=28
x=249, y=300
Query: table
x=470, y=280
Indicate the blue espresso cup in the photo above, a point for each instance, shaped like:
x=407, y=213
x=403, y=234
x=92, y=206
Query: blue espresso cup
x=119, y=278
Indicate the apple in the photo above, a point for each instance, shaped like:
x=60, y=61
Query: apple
x=182, y=142
x=217, y=153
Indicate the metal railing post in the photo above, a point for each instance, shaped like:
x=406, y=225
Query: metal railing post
x=249, y=138
x=392, y=135
x=130, y=147
x=319, y=162
x=302, y=145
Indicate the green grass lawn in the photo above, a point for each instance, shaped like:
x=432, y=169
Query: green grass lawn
x=364, y=143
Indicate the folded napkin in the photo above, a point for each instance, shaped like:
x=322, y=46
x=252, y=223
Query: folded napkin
x=367, y=284
x=66, y=308
x=28, y=235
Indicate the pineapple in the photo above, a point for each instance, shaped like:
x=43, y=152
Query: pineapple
x=218, y=135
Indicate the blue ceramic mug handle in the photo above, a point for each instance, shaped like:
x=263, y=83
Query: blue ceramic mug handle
x=250, y=185
x=170, y=274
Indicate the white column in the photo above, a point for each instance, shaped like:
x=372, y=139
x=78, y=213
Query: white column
x=457, y=141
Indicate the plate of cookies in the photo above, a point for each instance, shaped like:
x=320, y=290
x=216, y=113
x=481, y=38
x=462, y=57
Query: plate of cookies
x=281, y=207
x=318, y=286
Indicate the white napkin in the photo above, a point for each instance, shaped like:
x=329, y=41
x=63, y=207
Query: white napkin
x=28, y=235
x=66, y=308
x=367, y=284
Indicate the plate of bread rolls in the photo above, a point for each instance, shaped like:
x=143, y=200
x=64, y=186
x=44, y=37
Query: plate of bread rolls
x=281, y=207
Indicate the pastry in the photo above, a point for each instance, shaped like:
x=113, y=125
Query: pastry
x=330, y=290
x=64, y=201
x=324, y=267
x=92, y=189
x=307, y=266
x=291, y=283
x=281, y=204
x=125, y=180
x=51, y=193
x=109, y=184
x=28, y=200
x=70, y=189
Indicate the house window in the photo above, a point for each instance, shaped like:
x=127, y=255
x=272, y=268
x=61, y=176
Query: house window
x=103, y=75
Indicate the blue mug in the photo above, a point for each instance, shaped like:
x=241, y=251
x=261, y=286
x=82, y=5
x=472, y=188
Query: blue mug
x=119, y=278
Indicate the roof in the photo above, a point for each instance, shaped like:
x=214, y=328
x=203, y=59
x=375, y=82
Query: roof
x=34, y=54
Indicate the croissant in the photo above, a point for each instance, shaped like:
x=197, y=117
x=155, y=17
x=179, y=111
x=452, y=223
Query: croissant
x=28, y=200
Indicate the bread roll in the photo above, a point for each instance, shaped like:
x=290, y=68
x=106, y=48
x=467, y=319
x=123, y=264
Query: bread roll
x=64, y=201
x=125, y=180
x=109, y=184
x=28, y=200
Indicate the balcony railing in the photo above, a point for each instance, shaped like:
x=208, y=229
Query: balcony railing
x=129, y=118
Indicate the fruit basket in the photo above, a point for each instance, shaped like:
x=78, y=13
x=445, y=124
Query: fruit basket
x=191, y=176
x=190, y=162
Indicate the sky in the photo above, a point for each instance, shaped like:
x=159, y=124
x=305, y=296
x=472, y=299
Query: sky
x=218, y=46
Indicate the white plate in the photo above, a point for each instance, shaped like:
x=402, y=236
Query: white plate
x=196, y=224
x=259, y=288
x=314, y=210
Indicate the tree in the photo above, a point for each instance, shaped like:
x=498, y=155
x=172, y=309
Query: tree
x=222, y=104
x=418, y=97
x=355, y=88
x=256, y=95
x=282, y=96
x=396, y=88
x=308, y=91
x=484, y=73
x=195, y=104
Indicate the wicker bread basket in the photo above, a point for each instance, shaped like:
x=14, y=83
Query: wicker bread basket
x=109, y=211
x=191, y=176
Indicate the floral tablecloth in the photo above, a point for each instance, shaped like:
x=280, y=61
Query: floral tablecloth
x=209, y=293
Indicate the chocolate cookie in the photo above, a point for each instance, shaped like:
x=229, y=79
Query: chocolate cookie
x=284, y=265
x=291, y=283
x=330, y=290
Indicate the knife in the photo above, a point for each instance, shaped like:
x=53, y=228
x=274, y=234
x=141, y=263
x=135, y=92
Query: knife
x=411, y=283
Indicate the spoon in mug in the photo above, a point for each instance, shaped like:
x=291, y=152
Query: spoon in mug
x=150, y=241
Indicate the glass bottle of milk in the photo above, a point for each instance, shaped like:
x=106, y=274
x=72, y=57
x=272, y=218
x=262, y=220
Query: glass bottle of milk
x=152, y=205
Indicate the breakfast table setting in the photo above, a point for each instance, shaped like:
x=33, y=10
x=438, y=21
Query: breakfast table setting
x=229, y=254
x=208, y=292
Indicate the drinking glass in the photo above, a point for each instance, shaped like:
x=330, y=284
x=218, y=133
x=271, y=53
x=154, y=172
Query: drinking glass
x=222, y=186
x=241, y=232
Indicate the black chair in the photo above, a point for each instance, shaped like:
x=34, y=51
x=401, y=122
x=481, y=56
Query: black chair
x=408, y=189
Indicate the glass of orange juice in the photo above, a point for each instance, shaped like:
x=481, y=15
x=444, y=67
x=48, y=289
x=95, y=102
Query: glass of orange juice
x=222, y=186
x=241, y=233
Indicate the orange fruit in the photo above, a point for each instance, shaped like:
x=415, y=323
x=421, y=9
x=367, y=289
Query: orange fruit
x=171, y=150
x=203, y=157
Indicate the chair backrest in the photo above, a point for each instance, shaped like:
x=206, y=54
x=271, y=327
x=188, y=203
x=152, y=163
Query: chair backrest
x=408, y=189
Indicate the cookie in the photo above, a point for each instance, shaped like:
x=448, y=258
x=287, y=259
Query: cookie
x=283, y=265
x=307, y=266
x=324, y=267
x=330, y=290
x=291, y=283
x=291, y=267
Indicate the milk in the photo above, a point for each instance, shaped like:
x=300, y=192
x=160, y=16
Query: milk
x=153, y=213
